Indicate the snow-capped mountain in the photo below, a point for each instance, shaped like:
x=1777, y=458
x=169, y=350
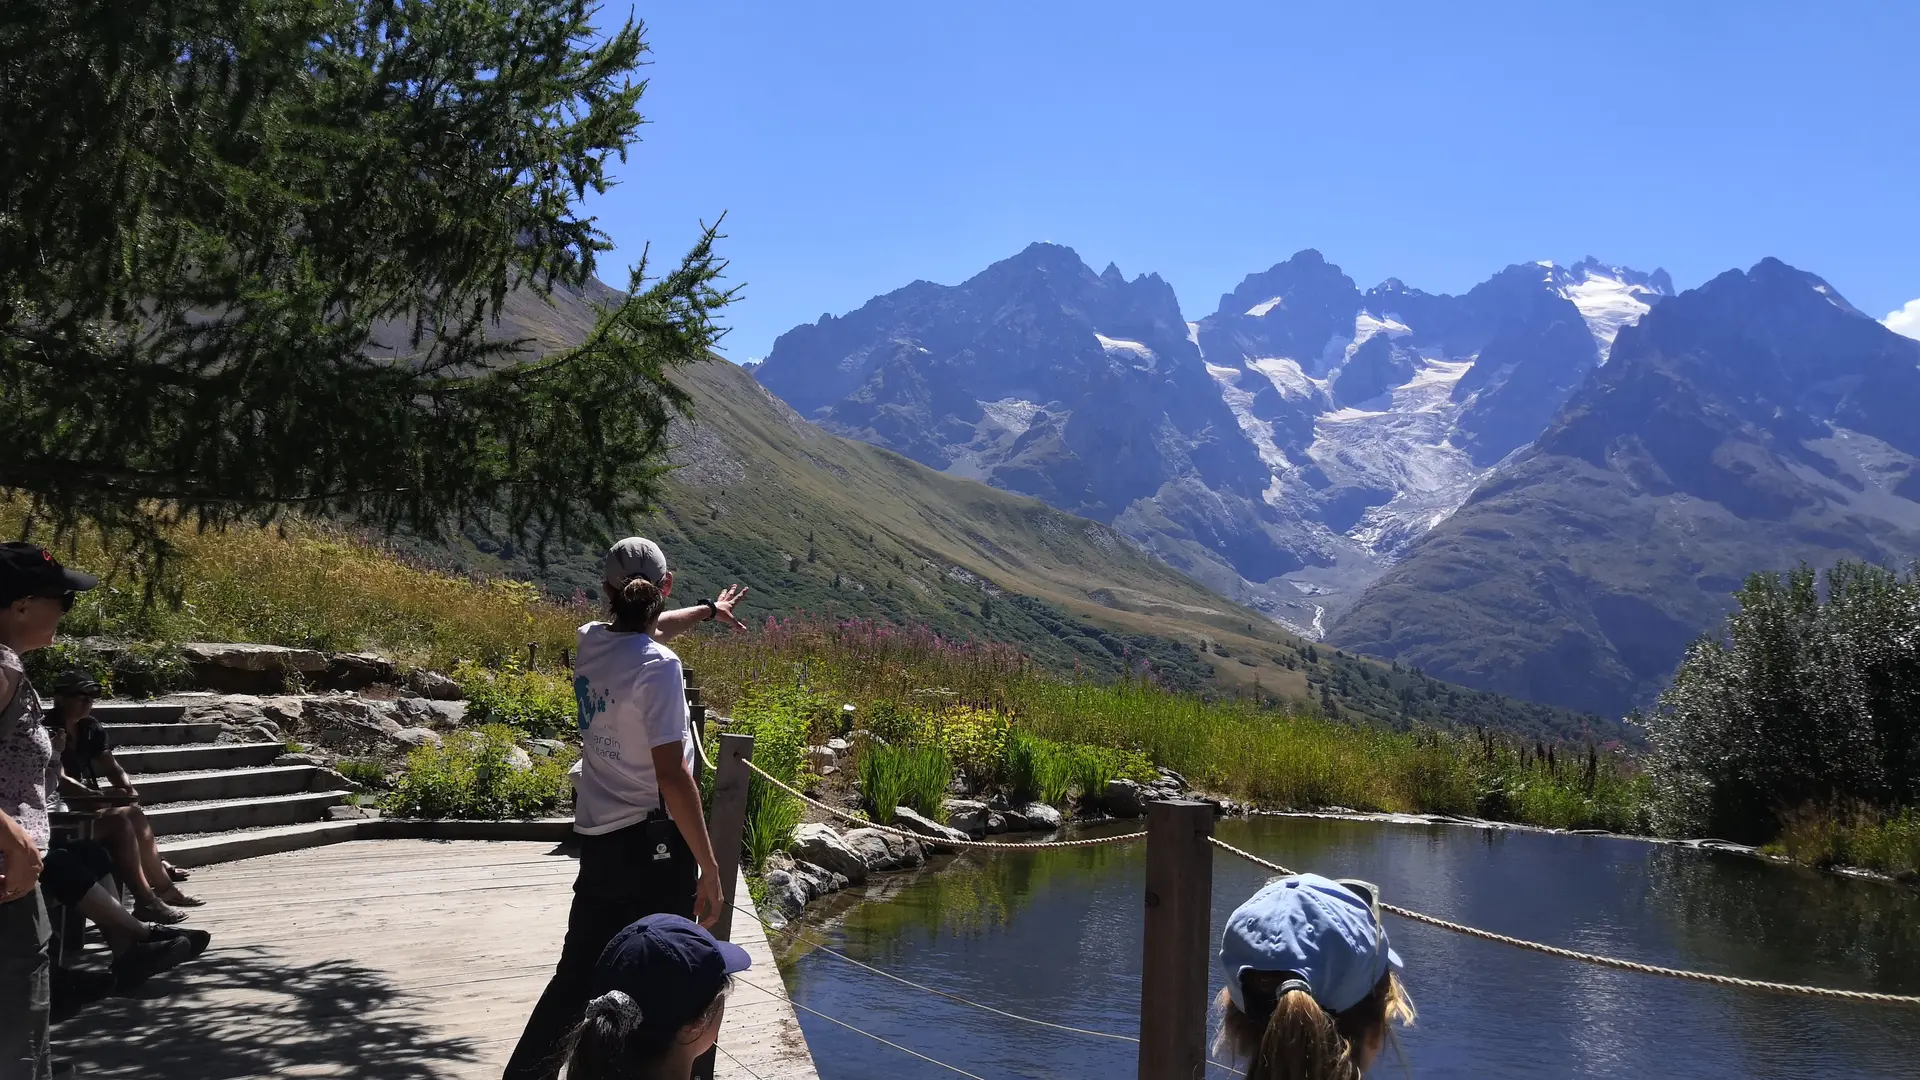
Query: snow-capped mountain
x=1751, y=424
x=1377, y=413
x=1284, y=450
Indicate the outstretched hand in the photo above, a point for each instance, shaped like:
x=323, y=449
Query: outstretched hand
x=723, y=607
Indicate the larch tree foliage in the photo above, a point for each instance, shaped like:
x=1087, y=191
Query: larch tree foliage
x=208, y=207
x=1803, y=701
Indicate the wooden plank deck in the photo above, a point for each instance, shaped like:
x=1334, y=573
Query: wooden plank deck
x=391, y=959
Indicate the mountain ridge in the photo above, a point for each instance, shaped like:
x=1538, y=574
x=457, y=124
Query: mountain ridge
x=1750, y=424
x=1282, y=451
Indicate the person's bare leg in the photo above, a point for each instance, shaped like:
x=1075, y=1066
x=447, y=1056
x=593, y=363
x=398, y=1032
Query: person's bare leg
x=119, y=928
x=151, y=864
x=117, y=835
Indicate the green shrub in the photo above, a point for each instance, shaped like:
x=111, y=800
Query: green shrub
x=1093, y=768
x=915, y=777
x=780, y=719
x=1860, y=836
x=472, y=775
x=893, y=723
x=1025, y=757
x=363, y=771
x=536, y=702
x=137, y=669
x=975, y=740
x=1055, y=774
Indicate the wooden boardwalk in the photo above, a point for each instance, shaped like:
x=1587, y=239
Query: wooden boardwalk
x=390, y=959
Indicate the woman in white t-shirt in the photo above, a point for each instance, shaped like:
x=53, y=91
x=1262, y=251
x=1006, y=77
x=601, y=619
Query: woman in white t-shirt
x=643, y=841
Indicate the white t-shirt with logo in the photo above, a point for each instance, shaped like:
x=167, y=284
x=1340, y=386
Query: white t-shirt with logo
x=631, y=697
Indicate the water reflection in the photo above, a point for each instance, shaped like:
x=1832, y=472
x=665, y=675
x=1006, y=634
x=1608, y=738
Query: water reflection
x=1057, y=935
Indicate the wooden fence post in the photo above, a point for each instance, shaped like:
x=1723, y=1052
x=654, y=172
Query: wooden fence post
x=726, y=825
x=1173, y=969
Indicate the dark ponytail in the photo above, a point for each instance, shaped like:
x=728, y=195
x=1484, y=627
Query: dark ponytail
x=609, y=1043
x=637, y=604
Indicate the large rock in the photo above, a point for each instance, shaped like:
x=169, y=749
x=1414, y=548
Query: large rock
x=997, y=822
x=884, y=851
x=1124, y=798
x=416, y=737
x=347, y=723
x=969, y=816
x=1014, y=820
x=786, y=894
x=1041, y=816
x=821, y=757
x=820, y=845
x=907, y=818
x=426, y=712
x=252, y=669
x=434, y=686
x=818, y=879
x=355, y=671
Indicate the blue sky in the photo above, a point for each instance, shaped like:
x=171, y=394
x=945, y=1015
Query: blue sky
x=856, y=147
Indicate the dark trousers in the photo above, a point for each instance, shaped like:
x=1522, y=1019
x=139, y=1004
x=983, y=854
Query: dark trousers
x=620, y=882
x=25, y=965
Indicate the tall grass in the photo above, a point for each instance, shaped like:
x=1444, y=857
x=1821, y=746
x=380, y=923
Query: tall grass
x=309, y=585
x=915, y=777
x=1288, y=759
x=1852, y=836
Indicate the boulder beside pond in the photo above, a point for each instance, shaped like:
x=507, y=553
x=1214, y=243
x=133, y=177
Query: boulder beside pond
x=820, y=845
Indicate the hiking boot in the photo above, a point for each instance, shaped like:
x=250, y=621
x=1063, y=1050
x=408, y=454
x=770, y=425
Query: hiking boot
x=199, y=938
x=158, y=913
x=144, y=959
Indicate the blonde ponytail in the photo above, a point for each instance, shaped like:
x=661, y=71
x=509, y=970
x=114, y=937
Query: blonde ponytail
x=1298, y=1039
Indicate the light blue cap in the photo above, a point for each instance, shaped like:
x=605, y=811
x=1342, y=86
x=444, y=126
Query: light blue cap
x=1327, y=932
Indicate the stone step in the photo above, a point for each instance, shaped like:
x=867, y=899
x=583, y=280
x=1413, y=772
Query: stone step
x=233, y=784
x=161, y=734
x=249, y=843
x=205, y=850
x=227, y=814
x=138, y=712
x=198, y=757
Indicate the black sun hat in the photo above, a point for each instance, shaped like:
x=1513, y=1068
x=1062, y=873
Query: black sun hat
x=76, y=682
x=31, y=570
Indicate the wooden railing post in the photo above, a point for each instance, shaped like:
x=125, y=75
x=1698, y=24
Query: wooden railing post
x=1173, y=969
x=726, y=826
x=727, y=822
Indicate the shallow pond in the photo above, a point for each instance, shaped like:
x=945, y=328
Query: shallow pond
x=1056, y=935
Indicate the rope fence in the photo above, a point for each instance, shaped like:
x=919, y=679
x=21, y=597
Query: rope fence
x=821, y=946
x=1606, y=961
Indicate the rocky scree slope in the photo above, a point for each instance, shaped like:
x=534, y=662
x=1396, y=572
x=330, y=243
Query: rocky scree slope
x=1750, y=424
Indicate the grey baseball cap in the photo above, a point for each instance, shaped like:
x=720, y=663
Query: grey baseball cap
x=636, y=556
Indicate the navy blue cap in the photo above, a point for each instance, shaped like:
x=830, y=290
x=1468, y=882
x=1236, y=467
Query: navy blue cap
x=670, y=966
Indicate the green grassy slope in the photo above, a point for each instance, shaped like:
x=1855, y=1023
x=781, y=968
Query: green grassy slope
x=815, y=523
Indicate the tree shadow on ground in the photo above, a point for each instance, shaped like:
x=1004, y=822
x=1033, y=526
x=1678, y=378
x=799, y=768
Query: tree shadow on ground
x=242, y=1012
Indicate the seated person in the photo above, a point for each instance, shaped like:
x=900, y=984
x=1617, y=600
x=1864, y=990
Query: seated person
x=85, y=755
x=663, y=983
x=71, y=877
